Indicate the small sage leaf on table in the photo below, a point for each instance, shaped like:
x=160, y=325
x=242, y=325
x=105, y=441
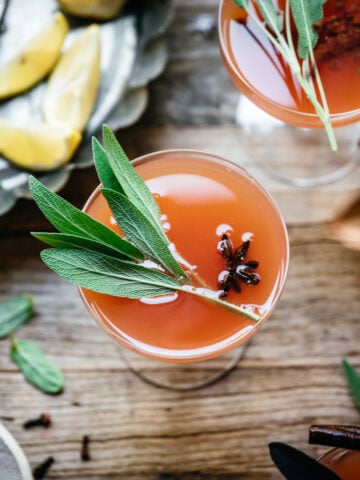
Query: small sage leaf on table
x=37, y=368
x=14, y=313
x=353, y=379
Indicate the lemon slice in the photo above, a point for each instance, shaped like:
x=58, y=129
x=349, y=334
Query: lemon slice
x=72, y=88
x=35, y=60
x=98, y=9
x=37, y=147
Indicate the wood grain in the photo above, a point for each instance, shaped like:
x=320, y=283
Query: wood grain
x=291, y=377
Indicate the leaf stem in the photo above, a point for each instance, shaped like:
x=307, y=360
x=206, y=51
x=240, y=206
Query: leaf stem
x=214, y=297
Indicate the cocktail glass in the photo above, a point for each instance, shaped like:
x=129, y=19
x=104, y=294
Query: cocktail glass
x=345, y=463
x=201, y=198
x=283, y=133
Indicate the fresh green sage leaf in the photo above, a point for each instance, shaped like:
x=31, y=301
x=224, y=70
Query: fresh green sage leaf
x=37, y=368
x=353, y=379
x=103, y=169
x=242, y=3
x=105, y=274
x=305, y=14
x=132, y=184
x=272, y=17
x=140, y=231
x=69, y=219
x=66, y=240
x=14, y=313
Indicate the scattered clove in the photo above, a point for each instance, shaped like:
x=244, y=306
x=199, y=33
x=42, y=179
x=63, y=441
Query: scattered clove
x=44, y=420
x=85, y=454
x=41, y=470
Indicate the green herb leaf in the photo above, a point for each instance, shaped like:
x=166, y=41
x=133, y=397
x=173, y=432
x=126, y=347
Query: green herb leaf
x=272, y=17
x=305, y=14
x=66, y=240
x=105, y=274
x=104, y=171
x=37, y=368
x=140, y=231
x=69, y=219
x=14, y=313
x=132, y=184
x=353, y=379
x=242, y=3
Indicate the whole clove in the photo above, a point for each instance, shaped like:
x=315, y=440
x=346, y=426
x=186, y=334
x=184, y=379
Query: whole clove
x=41, y=470
x=85, y=454
x=44, y=420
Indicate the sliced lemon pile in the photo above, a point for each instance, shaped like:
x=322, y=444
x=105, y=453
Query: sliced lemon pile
x=72, y=88
x=35, y=60
x=98, y=9
x=38, y=147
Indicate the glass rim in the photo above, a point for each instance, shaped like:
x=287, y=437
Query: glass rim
x=233, y=341
x=339, y=119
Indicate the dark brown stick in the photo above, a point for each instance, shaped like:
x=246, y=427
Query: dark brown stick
x=343, y=436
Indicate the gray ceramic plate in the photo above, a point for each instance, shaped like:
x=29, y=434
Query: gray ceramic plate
x=133, y=53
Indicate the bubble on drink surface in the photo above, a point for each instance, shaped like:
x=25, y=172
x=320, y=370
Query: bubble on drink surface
x=223, y=228
x=159, y=299
x=247, y=236
x=165, y=223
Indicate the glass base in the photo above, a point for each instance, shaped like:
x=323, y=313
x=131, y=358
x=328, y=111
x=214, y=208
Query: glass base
x=182, y=376
x=296, y=156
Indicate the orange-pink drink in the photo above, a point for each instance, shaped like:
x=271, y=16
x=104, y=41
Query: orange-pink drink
x=261, y=73
x=346, y=463
x=201, y=197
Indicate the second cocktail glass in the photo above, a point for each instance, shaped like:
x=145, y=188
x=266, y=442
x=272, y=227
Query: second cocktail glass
x=283, y=133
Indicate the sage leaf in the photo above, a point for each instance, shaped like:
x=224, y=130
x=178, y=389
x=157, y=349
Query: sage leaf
x=272, y=17
x=139, y=230
x=104, y=274
x=132, y=184
x=305, y=14
x=66, y=240
x=353, y=380
x=69, y=219
x=242, y=3
x=103, y=169
x=37, y=368
x=14, y=313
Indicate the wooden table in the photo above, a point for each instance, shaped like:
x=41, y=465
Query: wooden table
x=291, y=375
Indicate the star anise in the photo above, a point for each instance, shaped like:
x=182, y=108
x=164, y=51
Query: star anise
x=237, y=268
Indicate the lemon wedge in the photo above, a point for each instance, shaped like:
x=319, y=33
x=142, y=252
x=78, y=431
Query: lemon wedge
x=35, y=60
x=37, y=147
x=71, y=91
x=98, y=9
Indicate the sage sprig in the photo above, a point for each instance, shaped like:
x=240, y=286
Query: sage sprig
x=14, y=313
x=301, y=61
x=90, y=255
